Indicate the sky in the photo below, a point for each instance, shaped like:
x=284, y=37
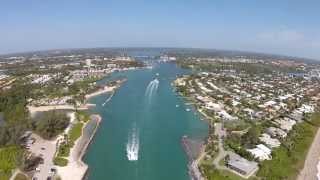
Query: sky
x=286, y=27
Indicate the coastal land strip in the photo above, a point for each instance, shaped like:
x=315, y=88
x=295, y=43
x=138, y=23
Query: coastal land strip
x=310, y=170
x=76, y=168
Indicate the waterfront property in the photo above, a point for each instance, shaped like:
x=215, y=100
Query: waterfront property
x=241, y=165
x=259, y=110
x=253, y=116
x=145, y=141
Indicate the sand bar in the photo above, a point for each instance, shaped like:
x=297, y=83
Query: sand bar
x=105, y=89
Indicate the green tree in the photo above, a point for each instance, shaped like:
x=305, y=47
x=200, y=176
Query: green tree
x=51, y=124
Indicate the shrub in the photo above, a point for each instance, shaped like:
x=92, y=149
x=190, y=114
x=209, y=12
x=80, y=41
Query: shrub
x=21, y=176
x=59, y=161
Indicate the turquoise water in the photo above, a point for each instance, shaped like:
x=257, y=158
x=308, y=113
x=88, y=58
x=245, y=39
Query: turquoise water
x=147, y=120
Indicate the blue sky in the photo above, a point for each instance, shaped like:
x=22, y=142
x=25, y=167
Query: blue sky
x=289, y=27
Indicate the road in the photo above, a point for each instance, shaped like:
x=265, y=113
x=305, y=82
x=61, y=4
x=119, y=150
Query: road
x=222, y=153
x=309, y=171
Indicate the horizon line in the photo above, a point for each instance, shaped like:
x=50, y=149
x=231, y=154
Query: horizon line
x=157, y=47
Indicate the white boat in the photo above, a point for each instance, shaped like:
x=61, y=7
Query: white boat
x=188, y=109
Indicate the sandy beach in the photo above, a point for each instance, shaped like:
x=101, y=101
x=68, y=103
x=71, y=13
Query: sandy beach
x=34, y=109
x=105, y=89
x=311, y=167
x=76, y=168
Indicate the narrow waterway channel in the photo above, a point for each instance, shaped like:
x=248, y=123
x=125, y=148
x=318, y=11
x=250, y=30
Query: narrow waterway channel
x=141, y=129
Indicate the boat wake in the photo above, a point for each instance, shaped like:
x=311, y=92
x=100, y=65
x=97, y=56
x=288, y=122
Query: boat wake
x=133, y=145
x=152, y=88
x=107, y=100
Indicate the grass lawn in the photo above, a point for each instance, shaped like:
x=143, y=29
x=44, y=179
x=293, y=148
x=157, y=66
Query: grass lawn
x=213, y=174
x=9, y=160
x=5, y=176
x=60, y=161
x=234, y=176
x=64, y=149
x=82, y=116
x=75, y=132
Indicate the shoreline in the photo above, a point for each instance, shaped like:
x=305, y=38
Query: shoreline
x=105, y=89
x=311, y=169
x=193, y=163
x=193, y=160
x=85, y=147
x=35, y=109
x=76, y=168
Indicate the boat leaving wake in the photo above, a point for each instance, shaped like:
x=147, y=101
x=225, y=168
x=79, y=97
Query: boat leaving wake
x=152, y=88
x=133, y=146
x=107, y=100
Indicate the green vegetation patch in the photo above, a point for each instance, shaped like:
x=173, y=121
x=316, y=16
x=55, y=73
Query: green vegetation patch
x=51, y=124
x=82, y=116
x=75, y=132
x=250, y=68
x=14, y=113
x=60, y=161
x=9, y=160
x=288, y=160
x=5, y=176
x=21, y=176
x=213, y=174
x=64, y=150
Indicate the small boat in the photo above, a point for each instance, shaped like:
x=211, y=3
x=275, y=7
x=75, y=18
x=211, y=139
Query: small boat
x=177, y=105
x=187, y=109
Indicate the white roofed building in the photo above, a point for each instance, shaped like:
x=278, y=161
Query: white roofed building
x=269, y=141
x=261, y=152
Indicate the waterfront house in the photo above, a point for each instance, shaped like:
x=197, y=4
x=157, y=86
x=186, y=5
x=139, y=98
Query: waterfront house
x=241, y=165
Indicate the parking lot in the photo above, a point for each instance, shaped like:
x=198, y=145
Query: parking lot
x=45, y=149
